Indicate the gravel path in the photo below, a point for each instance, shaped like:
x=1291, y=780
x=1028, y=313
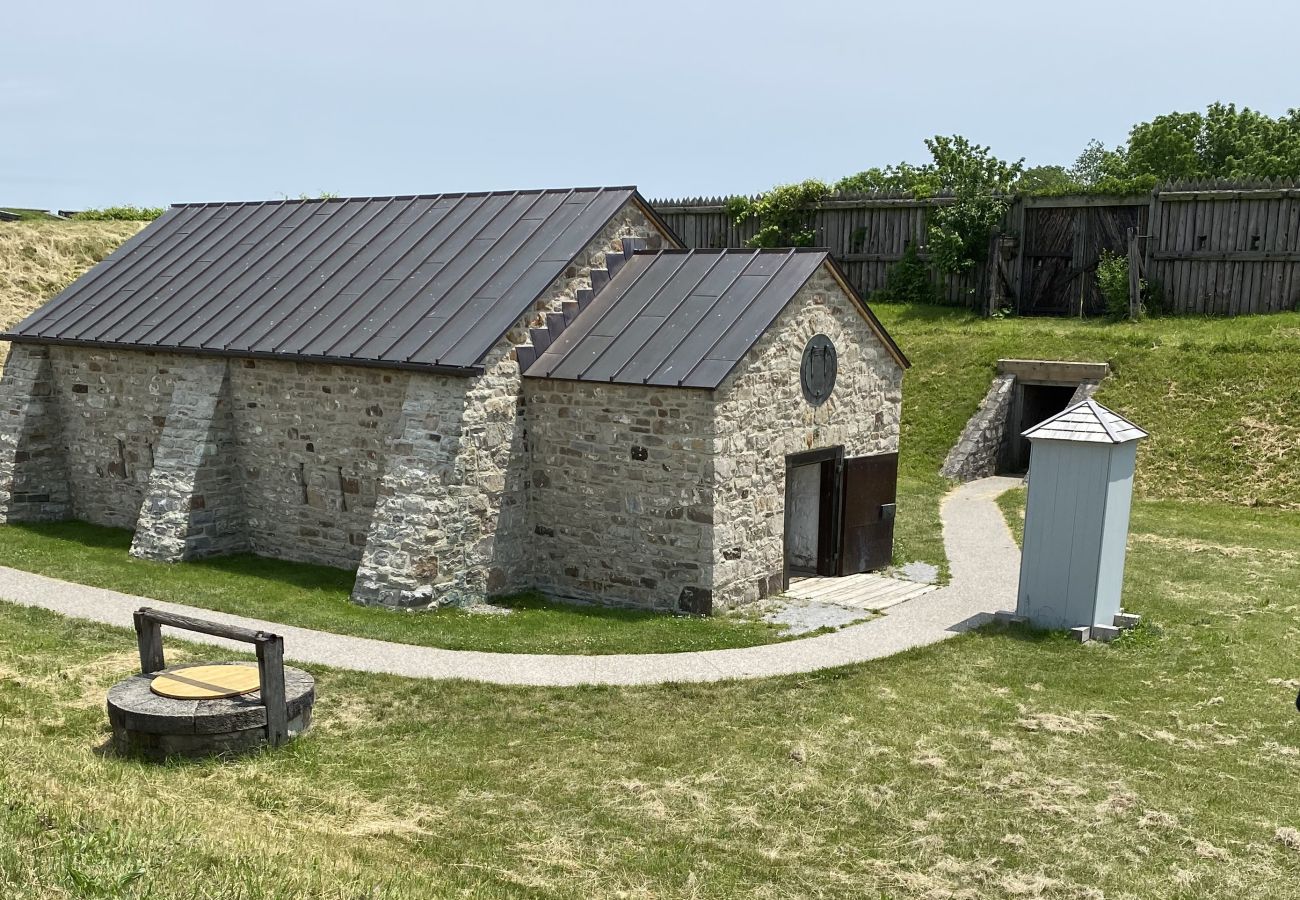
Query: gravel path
x=981, y=553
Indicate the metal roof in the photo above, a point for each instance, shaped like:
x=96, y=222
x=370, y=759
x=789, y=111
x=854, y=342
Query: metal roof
x=424, y=281
x=684, y=318
x=1086, y=421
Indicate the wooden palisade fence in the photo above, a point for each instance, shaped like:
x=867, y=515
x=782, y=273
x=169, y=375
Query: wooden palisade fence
x=1205, y=248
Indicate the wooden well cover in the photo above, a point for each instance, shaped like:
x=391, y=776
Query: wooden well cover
x=208, y=682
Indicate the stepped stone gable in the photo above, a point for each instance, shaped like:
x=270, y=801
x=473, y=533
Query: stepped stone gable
x=622, y=440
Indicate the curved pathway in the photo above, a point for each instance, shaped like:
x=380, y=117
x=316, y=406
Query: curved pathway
x=981, y=553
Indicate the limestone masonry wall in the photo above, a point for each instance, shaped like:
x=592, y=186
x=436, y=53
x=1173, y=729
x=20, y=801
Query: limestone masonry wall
x=762, y=416
x=619, y=494
x=113, y=406
x=194, y=503
x=312, y=441
x=978, y=450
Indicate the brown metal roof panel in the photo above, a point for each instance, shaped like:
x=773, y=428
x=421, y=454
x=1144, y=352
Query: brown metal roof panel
x=377, y=302
x=745, y=322
x=310, y=327
x=635, y=287
x=307, y=308
x=678, y=318
x=412, y=299
x=383, y=280
x=272, y=294
x=460, y=282
x=243, y=293
x=83, y=308
x=195, y=287
x=107, y=267
x=600, y=206
x=160, y=319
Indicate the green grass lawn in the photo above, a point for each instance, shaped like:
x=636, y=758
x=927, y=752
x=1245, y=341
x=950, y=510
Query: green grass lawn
x=317, y=597
x=999, y=764
x=1219, y=396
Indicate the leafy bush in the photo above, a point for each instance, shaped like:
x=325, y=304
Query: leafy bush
x=908, y=281
x=122, y=213
x=1112, y=278
x=784, y=214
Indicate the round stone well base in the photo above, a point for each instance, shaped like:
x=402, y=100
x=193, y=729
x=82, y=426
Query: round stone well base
x=145, y=724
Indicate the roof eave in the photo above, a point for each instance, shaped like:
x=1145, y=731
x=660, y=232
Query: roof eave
x=458, y=371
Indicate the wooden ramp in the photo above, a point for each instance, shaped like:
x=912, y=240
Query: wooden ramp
x=868, y=590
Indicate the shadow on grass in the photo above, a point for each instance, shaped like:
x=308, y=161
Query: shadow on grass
x=304, y=576
x=97, y=536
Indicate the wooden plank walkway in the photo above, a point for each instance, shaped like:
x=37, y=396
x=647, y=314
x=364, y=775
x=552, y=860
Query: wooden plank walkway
x=868, y=590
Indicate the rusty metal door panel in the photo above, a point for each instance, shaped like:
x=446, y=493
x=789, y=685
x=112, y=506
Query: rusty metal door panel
x=870, y=486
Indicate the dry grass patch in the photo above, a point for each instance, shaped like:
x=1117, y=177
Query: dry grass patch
x=39, y=259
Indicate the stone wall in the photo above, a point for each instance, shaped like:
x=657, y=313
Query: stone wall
x=619, y=493
x=312, y=441
x=33, y=470
x=194, y=504
x=762, y=416
x=979, y=449
x=113, y=406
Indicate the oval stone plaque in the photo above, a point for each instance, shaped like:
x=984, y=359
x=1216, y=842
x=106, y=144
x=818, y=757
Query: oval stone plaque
x=818, y=370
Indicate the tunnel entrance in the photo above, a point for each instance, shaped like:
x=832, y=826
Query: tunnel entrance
x=1031, y=404
x=1023, y=393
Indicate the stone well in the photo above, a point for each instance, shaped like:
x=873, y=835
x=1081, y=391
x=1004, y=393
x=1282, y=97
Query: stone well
x=155, y=727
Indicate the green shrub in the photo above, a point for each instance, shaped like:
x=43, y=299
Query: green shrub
x=1112, y=278
x=785, y=214
x=908, y=281
x=125, y=213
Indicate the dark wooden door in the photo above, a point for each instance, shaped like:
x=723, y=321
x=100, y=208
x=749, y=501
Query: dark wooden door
x=1061, y=247
x=870, y=485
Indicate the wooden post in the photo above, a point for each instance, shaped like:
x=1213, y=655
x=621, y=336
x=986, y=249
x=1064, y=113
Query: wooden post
x=270, y=668
x=993, y=302
x=1134, y=275
x=148, y=635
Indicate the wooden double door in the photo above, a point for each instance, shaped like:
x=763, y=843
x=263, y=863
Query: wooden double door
x=839, y=512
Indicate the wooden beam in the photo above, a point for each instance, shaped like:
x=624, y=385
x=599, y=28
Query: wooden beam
x=1228, y=255
x=1053, y=371
x=1081, y=201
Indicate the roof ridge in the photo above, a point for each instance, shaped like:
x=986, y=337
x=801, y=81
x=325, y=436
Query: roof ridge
x=723, y=250
x=285, y=201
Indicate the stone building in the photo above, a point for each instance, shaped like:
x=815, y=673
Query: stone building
x=461, y=396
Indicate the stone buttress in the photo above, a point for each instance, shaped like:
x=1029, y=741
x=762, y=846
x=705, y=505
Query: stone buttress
x=33, y=466
x=193, y=505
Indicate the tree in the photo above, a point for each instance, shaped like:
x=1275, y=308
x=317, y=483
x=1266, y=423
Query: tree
x=1046, y=180
x=1224, y=142
x=977, y=181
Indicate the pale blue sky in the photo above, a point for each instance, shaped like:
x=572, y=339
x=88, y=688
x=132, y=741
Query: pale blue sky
x=154, y=103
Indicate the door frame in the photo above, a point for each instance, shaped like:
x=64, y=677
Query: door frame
x=831, y=460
